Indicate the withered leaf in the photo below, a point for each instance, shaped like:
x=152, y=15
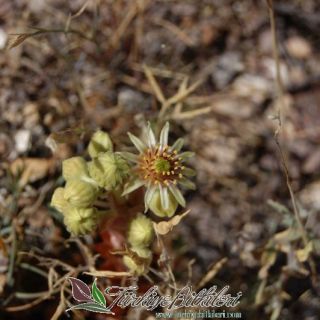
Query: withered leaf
x=32, y=169
x=303, y=254
x=164, y=227
x=18, y=39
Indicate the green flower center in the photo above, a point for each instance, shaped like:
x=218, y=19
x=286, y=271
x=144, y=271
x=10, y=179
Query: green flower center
x=161, y=165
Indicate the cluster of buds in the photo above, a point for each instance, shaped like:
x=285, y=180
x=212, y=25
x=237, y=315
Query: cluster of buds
x=85, y=181
x=158, y=169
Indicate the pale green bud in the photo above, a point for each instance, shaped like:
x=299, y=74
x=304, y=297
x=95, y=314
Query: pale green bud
x=108, y=170
x=99, y=143
x=80, y=194
x=74, y=168
x=58, y=201
x=136, y=267
x=141, y=232
x=81, y=220
x=157, y=208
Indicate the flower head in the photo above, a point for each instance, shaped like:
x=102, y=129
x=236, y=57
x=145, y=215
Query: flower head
x=159, y=167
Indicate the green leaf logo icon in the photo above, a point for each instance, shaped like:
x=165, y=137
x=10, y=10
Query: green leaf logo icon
x=97, y=294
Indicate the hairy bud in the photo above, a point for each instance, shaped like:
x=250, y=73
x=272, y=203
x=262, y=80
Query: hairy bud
x=74, y=168
x=141, y=232
x=80, y=194
x=99, y=143
x=81, y=220
x=108, y=170
x=58, y=201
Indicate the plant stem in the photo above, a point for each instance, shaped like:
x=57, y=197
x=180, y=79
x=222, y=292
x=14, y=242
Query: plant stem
x=280, y=96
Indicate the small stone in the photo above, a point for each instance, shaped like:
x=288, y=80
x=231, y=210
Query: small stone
x=5, y=145
x=36, y=6
x=310, y=195
x=3, y=39
x=298, y=47
x=22, y=140
x=228, y=66
x=132, y=100
x=209, y=34
x=31, y=115
x=265, y=42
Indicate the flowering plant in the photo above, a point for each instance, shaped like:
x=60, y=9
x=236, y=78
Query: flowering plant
x=158, y=169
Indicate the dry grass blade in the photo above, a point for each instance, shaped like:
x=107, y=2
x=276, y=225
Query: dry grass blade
x=31, y=304
x=20, y=38
x=62, y=304
x=108, y=274
x=259, y=298
x=86, y=253
x=191, y=114
x=154, y=84
x=81, y=10
x=183, y=94
x=133, y=11
x=212, y=272
x=161, y=72
x=182, y=88
x=175, y=30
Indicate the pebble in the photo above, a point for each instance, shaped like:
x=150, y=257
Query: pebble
x=3, y=39
x=132, y=100
x=228, y=66
x=22, y=140
x=298, y=47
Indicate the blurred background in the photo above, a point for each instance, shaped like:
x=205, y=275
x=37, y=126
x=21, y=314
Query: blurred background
x=76, y=66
